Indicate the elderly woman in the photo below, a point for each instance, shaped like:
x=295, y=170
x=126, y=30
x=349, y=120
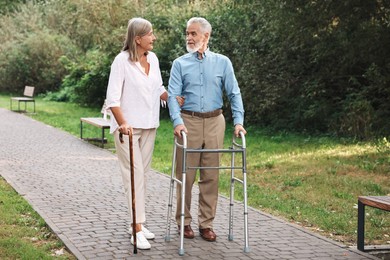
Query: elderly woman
x=133, y=96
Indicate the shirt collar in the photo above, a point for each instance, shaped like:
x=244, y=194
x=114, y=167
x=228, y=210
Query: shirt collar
x=204, y=55
x=206, y=52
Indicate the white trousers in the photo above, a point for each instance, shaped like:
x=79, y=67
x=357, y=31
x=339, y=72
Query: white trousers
x=143, y=145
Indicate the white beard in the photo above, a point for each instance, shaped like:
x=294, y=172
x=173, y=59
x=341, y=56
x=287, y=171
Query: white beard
x=195, y=48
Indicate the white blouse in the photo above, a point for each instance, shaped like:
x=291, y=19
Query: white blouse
x=136, y=93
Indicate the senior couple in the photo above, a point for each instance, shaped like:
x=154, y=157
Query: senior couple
x=196, y=85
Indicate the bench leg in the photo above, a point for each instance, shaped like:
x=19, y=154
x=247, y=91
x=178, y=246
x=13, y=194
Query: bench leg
x=360, y=230
x=81, y=129
x=102, y=137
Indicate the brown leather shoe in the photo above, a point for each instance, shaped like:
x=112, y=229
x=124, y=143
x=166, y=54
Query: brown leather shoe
x=208, y=234
x=188, y=232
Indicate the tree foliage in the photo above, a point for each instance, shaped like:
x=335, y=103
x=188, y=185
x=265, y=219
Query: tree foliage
x=310, y=65
x=315, y=66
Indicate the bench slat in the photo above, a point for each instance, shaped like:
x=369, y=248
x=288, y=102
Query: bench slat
x=98, y=122
x=379, y=202
x=22, y=99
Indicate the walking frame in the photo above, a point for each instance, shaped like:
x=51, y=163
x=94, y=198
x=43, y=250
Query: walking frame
x=236, y=148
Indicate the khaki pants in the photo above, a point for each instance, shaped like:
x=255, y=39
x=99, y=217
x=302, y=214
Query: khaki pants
x=143, y=145
x=206, y=133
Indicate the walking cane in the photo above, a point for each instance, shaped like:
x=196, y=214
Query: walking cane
x=132, y=185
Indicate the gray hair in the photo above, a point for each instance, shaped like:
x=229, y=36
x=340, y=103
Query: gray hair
x=205, y=26
x=136, y=27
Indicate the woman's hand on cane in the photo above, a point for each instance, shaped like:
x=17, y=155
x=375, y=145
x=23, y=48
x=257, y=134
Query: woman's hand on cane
x=125, y=128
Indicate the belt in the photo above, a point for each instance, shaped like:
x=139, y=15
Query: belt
x=214, y=113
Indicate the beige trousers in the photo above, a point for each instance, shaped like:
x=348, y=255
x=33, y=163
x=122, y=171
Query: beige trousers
x=143, y=145
x=206, y=133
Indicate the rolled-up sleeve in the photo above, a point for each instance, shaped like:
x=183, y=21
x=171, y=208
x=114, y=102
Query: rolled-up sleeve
x=162, y=90
x=115, y=84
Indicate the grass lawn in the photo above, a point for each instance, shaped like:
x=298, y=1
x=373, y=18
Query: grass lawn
x=313, y=181
x=23, y=233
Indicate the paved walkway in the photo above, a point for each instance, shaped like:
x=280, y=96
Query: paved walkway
x=76, y=187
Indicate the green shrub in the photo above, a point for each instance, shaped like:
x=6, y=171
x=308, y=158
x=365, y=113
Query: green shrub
x=35, y=61
x=87, y=80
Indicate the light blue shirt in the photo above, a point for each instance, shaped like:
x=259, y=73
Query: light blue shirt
x=202, y=82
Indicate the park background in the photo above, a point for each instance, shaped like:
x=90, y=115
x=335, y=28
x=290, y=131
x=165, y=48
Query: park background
x=307, y=66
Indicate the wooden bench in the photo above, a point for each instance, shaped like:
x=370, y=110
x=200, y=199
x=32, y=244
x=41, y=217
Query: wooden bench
x=101, y=122
x=28, y=97
x=379, y=202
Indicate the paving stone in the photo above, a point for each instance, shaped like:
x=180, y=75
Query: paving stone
x=77, y=188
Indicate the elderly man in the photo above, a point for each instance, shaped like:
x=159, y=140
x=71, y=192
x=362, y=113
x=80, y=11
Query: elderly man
x=200, y=77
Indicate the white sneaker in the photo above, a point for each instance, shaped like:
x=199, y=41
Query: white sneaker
x=147, y=233
x=142, y=242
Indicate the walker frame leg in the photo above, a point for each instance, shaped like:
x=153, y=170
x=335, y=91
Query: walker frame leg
x=170, y=199
x=183, y=196
x=246, y=235
x=230, y=236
